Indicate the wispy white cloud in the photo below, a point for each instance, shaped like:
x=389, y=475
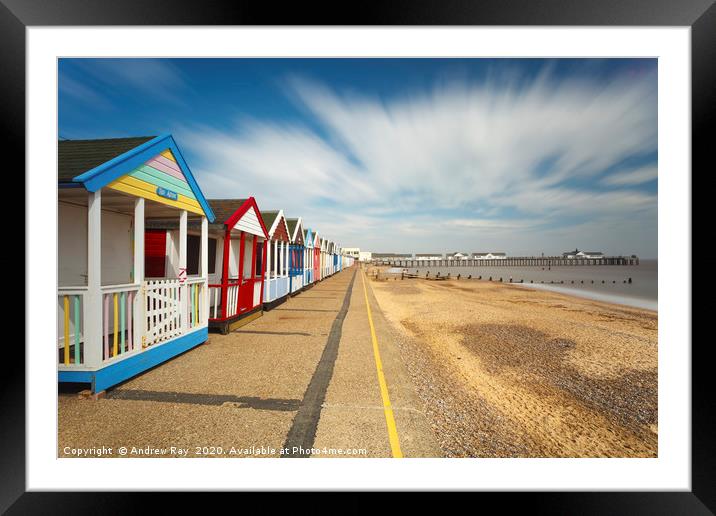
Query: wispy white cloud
x=79, y=91
x=461, y=163
x=632, y=177
x=154, y=79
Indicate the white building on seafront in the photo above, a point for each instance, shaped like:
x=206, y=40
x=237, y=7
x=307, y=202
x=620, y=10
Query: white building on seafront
x=353, y=252
x=583, y=254
x=489, y=256
x=428, y=257
x=365, y=256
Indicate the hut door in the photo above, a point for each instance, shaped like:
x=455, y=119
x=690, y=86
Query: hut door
x=155, y=250
x=248, y=257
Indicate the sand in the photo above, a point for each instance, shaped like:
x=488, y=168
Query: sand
x=507, y=371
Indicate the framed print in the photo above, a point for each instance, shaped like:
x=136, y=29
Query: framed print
x=427, y=247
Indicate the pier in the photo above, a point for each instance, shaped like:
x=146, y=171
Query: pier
x=517, y=261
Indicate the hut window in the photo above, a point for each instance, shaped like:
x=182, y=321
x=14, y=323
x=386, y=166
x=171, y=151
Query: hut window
x=193, y=254
x=259, y=258
x=212, y=255
x=193, y=243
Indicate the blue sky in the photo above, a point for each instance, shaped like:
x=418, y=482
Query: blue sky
x=408, y=155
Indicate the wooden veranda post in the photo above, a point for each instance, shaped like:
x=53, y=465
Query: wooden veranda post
x=267, y=263
x=93, y=323
x=266, y=250
x=253, y=257
x=242, y=244
x=225, y=274
x=275, y=259
x=282, y=257
x=138, y=337
x=183, y=289
x=285, y=262
x=204, y=304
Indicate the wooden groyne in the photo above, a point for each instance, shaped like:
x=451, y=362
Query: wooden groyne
x=526, y=261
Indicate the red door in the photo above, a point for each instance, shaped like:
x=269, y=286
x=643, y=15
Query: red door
x=155, y=250
x=246, y=295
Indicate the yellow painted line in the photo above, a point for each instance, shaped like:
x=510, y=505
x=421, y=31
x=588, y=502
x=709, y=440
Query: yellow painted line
x=387, y=407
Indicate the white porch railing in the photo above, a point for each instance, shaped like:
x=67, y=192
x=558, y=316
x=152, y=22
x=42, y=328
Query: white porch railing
x=214, y=301
x=71, y=324
x=216, y=311
x=119, y=315
x=155, y=303
x=195, y=306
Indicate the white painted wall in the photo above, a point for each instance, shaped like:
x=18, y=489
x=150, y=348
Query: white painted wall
x=249, y=223
x=117, y=247
x=72, y=245
x=171, y=269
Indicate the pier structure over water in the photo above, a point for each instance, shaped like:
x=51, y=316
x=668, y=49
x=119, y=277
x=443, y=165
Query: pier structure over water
x=515, y=261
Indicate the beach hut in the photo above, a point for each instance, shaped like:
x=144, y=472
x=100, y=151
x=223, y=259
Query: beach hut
x=317, y=242
x=296, y=255
x=325, y=255
x=337, y=258
x=308, y=257
x=121, y=311
x=334, y=258
x=276, y=284
x=325, y=244
x=237, y=270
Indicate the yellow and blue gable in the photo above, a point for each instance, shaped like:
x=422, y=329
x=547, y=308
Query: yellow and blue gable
x=154, y=170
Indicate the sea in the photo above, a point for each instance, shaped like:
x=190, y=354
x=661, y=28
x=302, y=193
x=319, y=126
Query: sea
x=609, y=283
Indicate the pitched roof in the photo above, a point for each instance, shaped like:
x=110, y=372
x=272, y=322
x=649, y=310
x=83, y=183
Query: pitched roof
x=225, y=208
x=222, y=208
x=111, y=159
x=292, y=225
x=77, y=156
x=269, y=217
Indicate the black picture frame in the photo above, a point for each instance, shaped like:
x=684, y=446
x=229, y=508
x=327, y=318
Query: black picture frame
x=700, y=15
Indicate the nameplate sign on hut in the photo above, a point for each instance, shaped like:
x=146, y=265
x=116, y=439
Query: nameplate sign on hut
x=168, y=194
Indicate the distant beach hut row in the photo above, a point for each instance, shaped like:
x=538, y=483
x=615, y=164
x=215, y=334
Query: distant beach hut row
x=147, y=264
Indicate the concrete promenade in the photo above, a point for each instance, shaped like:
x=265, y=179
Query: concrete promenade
x=308, y=379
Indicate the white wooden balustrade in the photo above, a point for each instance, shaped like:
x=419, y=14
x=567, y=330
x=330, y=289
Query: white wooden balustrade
x=120, y=310
x=70, y=325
